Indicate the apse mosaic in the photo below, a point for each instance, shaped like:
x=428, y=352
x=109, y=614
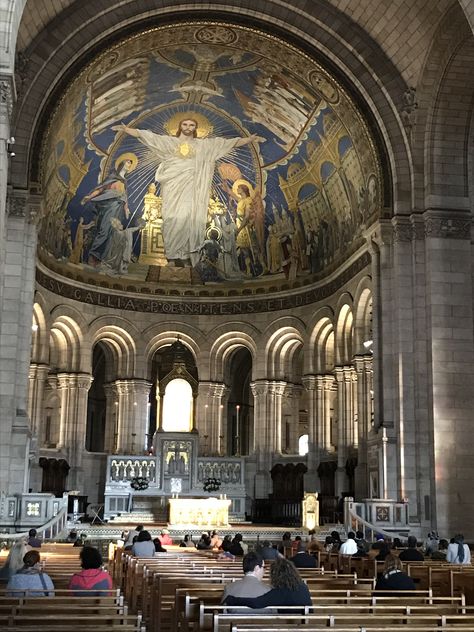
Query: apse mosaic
x=205, y=153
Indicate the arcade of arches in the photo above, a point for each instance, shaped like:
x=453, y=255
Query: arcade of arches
x=309, y=313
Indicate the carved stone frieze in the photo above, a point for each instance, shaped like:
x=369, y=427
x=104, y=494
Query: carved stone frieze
x=452, y=228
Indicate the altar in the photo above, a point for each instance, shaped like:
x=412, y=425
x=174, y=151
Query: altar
x=201, y=512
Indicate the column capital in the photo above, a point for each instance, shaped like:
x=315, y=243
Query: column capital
x=363, y=363
x=84, y=381
x=310, y=381
x=212, y=389
x=293, y=390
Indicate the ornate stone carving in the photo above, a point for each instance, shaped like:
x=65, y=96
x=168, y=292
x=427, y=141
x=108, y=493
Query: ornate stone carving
x=408, y=110
x=402, y=229
x=16, y=205
x=453, y=228
x=7, y=93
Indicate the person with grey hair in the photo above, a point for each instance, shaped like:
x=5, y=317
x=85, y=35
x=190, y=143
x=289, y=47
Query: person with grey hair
x=14, y=560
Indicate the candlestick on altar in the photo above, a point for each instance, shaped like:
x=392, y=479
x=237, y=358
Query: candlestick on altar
x=237, y=432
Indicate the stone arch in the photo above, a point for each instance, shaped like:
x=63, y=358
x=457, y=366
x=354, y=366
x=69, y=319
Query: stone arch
x=362, y=314
x=284, y=342
x=223, y=346
x=121, y=351
x=322, y=346
x=344, y=330
x=39, y=337
x=445, y=81
x=156, y=337
x=67, y=338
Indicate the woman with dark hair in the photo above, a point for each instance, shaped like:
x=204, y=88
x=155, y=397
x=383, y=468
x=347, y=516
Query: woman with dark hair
x=143, y=546
x=336, y=541
x=288, y=589
x=92, y=581
x=30, y=579
x=158, y=546
x=187, y=542
x=226, y=542
x=458, y=551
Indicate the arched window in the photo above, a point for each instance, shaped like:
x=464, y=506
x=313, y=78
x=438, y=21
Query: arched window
x=178, y=406
x=303, y=445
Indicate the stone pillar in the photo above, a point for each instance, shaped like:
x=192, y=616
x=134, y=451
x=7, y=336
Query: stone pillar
x=217, y=428
x=17, y=268
x=37, y=380
x=449, y=285
x=363, y=367
x=345, y=413
x=74, y=389
x=132, y=415
x=293, y=396
x=267, y=430
x=313, y=384
x=204, y=415
x=111, y=414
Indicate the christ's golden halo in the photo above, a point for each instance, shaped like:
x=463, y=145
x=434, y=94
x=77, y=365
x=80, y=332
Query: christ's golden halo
x=204, y=125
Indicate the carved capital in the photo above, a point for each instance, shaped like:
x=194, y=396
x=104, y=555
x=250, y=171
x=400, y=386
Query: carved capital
x=7, y=94
x=402, y=229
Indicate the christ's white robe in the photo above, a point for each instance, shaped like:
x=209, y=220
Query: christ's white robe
x=185, y=180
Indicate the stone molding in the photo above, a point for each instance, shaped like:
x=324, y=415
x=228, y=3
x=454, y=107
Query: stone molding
x=185, y=305
x=444, y=224
x=7, y=95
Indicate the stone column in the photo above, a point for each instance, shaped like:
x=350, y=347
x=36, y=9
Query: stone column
x=204, y=416
x=17, y=269
x=111, y=413
x=363, y=367
x=293, y=396
x=217, y=429
x=313, y=384
x=37, y=380
x=344, y=379
x=74, y=389
x=267, y=430
x=132, y=415
x=329, y=387
x=449, y=285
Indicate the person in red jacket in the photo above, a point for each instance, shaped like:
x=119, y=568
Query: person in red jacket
x=92, y=581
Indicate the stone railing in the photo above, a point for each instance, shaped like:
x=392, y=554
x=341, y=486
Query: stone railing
x=230, y=471
x=373, y=516
x=121, y=469
x=31, y=510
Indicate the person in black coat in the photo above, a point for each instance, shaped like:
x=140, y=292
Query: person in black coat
x=411, y=554
x=303, y=559
x=288, y=589
x=393, y=578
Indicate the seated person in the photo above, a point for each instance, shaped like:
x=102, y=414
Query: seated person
x=158, y=546
x=303, y=559
x=33, y=539
x=268, y=552
x=143, y=546
x=411, y=554
x=440, y=554
x=204, y=542
x=349, y=547
x=458, y=552
x=288, y=589
x=30, y=579
x=14, y=561
x=131, y=537
x=236, y=547
x=92, y=581
x=216, y=540
x=393, y=578
x=251, y=585
x=165, y=538
x=187, y=542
